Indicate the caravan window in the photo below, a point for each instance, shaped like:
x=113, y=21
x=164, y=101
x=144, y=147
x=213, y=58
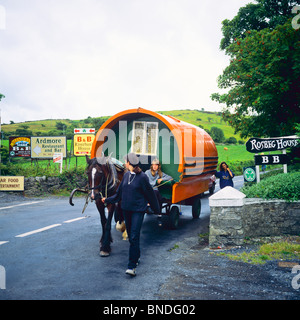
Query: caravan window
x=144, y=137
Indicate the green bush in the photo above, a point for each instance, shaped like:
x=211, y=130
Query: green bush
x=282, y=186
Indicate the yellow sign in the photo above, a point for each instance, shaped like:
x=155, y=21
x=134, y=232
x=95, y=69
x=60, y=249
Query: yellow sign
x=83, y=144
x=11, y=183
x=45, y=147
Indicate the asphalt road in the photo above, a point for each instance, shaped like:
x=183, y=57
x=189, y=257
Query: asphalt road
x=49, y=250
x=48, y=254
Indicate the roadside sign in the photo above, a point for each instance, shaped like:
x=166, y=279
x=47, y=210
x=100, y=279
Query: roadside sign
x=11, y=183
x=271, y=159
x=84, y=130
x=19, y=146
x=58, y=158
x=249, y=174
x=83, y=144
x=256, y=145
x=45, y=147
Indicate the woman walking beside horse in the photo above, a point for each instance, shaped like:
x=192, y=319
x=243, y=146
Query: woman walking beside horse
x=135, y=192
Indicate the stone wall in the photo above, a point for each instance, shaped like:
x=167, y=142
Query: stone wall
x=39, y=186
x=233, y=218
x=270, y=217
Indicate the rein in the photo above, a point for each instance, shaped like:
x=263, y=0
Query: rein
x=110, y=184
x=161, y=184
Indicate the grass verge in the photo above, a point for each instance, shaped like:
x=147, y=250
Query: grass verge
x=281, y=250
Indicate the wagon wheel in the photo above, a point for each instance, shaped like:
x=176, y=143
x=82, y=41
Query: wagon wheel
x=174, y=217
x=196, y=208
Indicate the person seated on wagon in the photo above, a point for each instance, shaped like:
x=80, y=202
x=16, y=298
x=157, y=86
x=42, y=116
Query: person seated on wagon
x=157, y=178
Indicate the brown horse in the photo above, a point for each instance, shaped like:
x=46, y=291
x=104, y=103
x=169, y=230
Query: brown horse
x=104, y=177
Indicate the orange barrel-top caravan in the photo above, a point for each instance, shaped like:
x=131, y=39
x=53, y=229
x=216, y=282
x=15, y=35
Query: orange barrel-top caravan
x=186, y=152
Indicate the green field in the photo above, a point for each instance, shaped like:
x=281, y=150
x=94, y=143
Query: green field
x=236, y=156
x=234, y=153
x=207, y=120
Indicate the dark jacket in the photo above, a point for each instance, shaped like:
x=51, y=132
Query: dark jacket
x=135, y=192
x=225, y=179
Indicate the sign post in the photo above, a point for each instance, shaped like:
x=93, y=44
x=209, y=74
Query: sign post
x=257, y=174
x=256, y=145
x=285, y=164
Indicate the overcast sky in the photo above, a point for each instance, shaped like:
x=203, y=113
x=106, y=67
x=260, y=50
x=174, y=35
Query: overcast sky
x=73, y=59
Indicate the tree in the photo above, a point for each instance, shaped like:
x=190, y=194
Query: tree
x=60, y=126
x=217, y=134
x=263, y=76
x=231, y=140
x=263, y=14
x=23, y=131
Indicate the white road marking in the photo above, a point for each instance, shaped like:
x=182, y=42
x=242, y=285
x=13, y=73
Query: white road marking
x=37, y=231
x=23, y=204
x=76, y=219
x=3, y=242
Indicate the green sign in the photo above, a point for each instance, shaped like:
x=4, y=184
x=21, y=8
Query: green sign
x=249, y=174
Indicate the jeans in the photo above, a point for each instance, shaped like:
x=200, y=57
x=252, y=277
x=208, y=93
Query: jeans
x=133, y=221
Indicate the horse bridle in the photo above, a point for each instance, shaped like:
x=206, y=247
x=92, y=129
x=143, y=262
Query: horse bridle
x=104, y=189
x=100, y=186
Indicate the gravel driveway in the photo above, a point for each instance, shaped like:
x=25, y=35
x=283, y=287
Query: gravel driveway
x=201, y=274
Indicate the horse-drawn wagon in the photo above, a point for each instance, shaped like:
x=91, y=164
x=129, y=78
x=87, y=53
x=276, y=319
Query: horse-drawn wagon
x=186, y=153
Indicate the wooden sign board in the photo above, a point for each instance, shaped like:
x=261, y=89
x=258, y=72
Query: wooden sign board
x=271, y=159
x=11, y=183
x=19, y=146
x=45, y=147
x=257, y=145
x=83, y=144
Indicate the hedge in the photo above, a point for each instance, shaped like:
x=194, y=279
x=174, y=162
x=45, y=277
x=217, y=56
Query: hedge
x=282, y=186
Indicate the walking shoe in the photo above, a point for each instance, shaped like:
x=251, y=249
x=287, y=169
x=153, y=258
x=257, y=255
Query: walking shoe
x=131, y=272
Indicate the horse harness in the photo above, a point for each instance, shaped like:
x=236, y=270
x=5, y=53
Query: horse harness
x=110, y=184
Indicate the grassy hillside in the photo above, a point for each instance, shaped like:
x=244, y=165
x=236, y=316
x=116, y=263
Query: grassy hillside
x=51, y=127
x=206, y=120
x=42, y=126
